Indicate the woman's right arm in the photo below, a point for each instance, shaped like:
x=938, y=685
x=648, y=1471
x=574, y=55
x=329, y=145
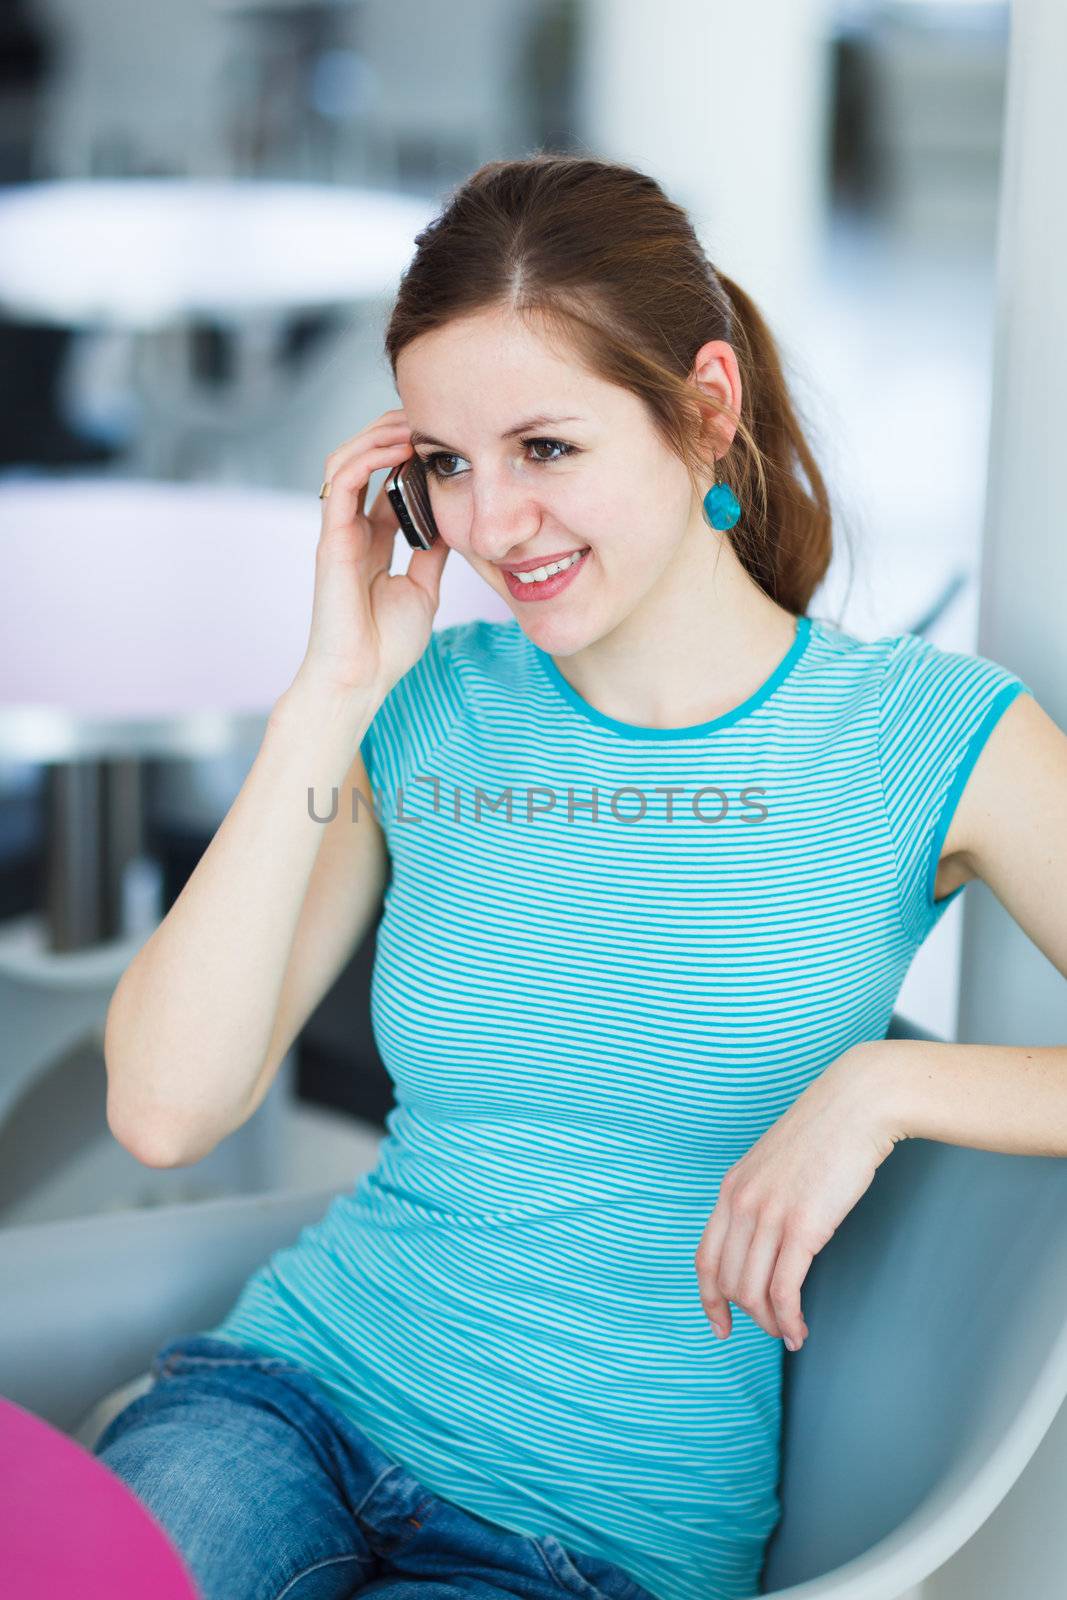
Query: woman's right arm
x=205, y=1012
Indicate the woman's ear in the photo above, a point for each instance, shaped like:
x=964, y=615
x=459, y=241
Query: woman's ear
x=717, y=375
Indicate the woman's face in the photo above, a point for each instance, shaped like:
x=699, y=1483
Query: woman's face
x=507, y=490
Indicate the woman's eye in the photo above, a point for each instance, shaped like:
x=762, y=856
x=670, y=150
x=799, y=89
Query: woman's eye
x=553, y=444
x=434, y=462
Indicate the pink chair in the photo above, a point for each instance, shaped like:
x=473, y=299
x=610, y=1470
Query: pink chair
x=71, y=1527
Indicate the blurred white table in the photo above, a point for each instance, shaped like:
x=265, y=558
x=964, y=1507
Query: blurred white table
x=149, y=260
x=139, y=253
x=142, y=619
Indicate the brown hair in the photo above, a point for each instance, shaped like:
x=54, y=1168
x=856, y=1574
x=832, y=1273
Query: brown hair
x=600, y=254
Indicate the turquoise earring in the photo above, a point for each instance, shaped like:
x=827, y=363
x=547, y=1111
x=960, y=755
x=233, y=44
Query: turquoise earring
x=721, y=506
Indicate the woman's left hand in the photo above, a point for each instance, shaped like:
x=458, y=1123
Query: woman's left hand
x=781, y=1203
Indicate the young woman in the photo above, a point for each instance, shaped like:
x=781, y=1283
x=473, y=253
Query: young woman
x=657, y=854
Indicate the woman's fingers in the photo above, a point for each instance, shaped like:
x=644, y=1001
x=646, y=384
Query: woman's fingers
x=756, y=1266
x=348, y=483
x=425, y=569
x=751, y=1288
x=790, y=1270
x=388, y=419
x=392, y=426
x=708, y=1258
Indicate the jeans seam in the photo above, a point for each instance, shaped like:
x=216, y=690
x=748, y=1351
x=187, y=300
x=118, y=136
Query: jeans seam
x=386, y=1472
x=316, y=1566
x=549, y=1568
x=172, y=1363
x=424, y=1506
x=565, y=1574
x=570, y=1571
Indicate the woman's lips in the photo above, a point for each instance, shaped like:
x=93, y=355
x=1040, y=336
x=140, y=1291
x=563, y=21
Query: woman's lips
x=546, y=590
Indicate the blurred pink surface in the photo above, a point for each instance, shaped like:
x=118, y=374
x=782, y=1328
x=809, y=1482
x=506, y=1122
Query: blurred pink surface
x=69, y=1526
x=124, y=599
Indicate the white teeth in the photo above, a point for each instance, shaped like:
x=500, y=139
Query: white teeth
x=539, y=574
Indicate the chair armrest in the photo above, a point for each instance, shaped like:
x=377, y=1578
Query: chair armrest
x=88, y=1302
x=901, y=1027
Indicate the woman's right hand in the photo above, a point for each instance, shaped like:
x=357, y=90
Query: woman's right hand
x=368, y=627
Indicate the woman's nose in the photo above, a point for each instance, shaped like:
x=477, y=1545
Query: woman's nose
x=503, y=515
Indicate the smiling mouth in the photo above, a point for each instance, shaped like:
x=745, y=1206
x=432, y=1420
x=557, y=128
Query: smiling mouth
x=549, y=567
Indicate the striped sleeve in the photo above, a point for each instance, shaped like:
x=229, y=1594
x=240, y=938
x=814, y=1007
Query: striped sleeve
x=413, y=719
x=937, y=708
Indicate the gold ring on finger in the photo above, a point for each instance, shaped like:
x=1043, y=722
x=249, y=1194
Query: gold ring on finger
x=324, y=492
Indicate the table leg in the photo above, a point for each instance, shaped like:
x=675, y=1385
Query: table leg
x=95, y=826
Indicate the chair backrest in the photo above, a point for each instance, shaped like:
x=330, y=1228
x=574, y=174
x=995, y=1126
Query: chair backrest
x=936, y=1354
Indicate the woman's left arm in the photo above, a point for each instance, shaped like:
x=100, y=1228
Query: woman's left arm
x=781, y=1203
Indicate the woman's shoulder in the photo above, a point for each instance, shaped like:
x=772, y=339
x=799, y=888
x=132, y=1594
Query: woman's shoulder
x=919, y=674
x=906, y=665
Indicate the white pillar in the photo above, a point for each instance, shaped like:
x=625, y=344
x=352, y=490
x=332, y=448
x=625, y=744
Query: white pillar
x=1009, y=992
x=726, y=105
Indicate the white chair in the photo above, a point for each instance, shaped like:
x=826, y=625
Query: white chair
x=52, y=1091
x=936, y=1362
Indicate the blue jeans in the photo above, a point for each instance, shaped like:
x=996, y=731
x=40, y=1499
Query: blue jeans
x=267, y=1489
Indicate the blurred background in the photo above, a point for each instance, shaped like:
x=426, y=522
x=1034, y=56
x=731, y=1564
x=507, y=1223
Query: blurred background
x=204, y=210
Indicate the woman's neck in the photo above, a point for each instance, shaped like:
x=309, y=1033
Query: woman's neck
x=704, y=640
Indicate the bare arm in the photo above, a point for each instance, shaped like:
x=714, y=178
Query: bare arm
x=205, y=1012
x=342, y=901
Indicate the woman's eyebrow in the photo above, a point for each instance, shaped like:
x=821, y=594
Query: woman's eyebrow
x=522, y=427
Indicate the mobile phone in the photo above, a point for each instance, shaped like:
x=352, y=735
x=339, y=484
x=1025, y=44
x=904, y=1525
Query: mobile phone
x=409, y=493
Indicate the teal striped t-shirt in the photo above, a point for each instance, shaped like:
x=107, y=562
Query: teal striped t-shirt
x=587, y=1019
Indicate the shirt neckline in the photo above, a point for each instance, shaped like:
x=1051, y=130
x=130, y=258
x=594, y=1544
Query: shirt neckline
x=633, y=730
